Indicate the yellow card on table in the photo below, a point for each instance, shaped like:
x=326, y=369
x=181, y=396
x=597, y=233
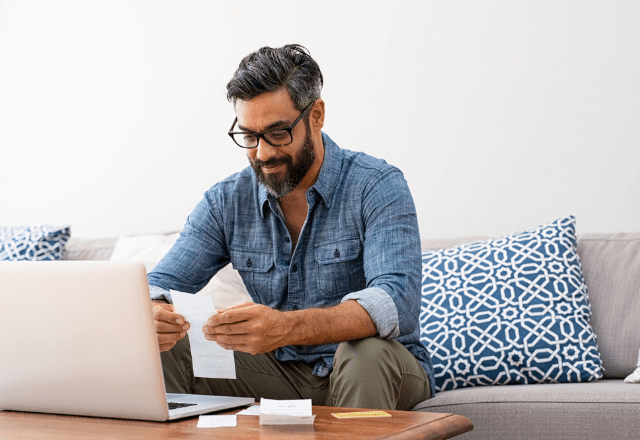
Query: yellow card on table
x=348, y=415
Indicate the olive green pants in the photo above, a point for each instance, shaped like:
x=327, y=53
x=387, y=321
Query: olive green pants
x=368, y=373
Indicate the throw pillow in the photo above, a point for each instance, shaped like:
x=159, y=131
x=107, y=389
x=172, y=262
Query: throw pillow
x=512, y=310
x=635, y=376
x=33, y=243
x=226, y=287
x=147, y=249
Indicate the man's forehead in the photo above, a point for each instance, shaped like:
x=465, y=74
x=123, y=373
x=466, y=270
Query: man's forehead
x=266, y=110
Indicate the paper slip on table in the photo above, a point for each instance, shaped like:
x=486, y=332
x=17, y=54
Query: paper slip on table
x=400, y=426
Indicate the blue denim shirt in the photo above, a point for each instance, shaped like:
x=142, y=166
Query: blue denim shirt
x=360, y=242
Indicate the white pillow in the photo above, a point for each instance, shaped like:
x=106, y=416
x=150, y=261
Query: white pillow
x=635, y=376
x=226, y=287
x=147, y=249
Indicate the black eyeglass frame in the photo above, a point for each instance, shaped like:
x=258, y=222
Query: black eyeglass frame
x=261, y=135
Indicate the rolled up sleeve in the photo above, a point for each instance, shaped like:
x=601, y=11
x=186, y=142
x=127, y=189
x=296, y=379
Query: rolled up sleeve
x=380, y=308
x=160, y=294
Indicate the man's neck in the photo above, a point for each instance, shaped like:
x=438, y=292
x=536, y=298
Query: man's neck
x=294, y=205
x=294, y=209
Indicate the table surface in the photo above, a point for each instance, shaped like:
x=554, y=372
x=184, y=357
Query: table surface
x=401, y=425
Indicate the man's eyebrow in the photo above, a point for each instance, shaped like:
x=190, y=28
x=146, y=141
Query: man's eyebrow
x=277, y=124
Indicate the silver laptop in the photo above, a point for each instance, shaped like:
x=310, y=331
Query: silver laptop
x=78, y=338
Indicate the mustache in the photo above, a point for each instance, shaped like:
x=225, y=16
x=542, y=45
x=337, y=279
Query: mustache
x=274, y=161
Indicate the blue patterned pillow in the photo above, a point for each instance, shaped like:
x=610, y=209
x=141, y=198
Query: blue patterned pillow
x=33, y=243
x=512, y=310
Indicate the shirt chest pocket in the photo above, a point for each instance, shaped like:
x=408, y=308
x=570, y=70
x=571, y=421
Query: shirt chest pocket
x=255, y=268
x=340, y=267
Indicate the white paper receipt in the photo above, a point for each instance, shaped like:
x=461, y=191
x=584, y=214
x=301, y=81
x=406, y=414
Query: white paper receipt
x=217, y=421
x=209, y=359
x=286, y=412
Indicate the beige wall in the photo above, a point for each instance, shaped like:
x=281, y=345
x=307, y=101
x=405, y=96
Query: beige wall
x=502, y=114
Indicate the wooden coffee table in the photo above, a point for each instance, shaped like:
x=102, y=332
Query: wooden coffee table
x=401, y=425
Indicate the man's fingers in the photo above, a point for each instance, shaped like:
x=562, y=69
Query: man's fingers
x=239, y=306
x=170, y=326
x=233, y=347
x=166, y=316
x=165, y=338
x=165, y=313
x=220, y=318
x=165, y=327
x=239, y=328
x=247, y=328
x=235, y=343
x=166, y=347
x=233, y=315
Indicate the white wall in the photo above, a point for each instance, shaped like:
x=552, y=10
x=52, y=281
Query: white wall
x=502, y=114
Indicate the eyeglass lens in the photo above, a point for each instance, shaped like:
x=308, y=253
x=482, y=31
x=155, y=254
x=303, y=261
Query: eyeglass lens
x=276, y=138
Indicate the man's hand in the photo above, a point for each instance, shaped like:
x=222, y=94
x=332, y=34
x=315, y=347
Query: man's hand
x=254, y=328
x=170, y=326
x=250, y=328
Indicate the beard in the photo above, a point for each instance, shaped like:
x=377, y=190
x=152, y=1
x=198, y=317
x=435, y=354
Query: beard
x=295, y=172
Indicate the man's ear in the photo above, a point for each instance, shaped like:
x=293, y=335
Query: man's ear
x=316, y=115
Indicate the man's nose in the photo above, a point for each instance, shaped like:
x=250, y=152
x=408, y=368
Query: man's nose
x=264, y=151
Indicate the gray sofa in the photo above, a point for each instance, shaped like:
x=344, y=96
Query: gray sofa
x=603, y=409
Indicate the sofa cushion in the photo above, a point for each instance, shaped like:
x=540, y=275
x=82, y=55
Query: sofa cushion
x=512, y=310
x=33, y=243
x=544, y=411
x=90, y=248
x=146, y=249
x=611, y=264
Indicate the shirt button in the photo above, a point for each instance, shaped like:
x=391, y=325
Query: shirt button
x=336, y=253
x=294, y=268
x=249, y=262
x=287, y=239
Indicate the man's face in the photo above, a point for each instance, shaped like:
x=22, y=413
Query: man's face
x=277, y=183
x=279, y=169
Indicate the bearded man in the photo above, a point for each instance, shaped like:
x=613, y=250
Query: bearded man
x=326, y=241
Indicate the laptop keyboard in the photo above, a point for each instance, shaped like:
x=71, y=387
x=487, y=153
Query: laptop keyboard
x=176, y=405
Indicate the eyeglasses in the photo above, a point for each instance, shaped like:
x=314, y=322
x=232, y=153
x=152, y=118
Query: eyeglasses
x=278, y=137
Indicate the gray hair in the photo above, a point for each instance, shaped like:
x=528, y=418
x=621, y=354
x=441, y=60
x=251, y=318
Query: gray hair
x=268, y=69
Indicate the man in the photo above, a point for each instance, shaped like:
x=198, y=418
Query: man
x=326, y=241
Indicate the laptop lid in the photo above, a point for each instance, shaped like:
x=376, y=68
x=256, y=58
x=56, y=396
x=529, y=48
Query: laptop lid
x=80, y=339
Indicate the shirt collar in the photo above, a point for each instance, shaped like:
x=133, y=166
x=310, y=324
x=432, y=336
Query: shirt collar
x=264, y=198
x=325, y=184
